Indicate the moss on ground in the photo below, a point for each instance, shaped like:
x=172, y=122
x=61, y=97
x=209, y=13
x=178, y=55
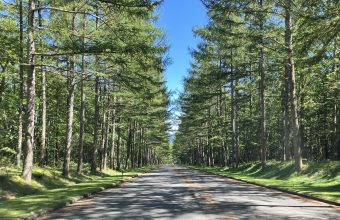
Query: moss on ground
x=319, y=179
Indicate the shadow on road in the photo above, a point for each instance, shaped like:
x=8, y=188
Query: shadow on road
x=179, y=193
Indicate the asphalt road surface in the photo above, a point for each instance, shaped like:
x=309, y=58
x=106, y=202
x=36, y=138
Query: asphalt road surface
x=178, y=193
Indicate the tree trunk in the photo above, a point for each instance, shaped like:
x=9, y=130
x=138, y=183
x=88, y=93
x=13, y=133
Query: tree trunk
x=336, y=138
x=262, y=97
x=234, y=121
x=82, y=107
x=102, y=146
x=2, y=85
x=290, y=72
x=43, y=107
x=96, y=119
x=128, y=145
x=112, y=154
x=302, y=114
x=81, y=124
x=96, y=123
x=70, y=107
x=106, y=141
x=139, y=163
x=28, y=165
x=69, y=131
x=336, y=127
x=286, y=155
x=21, y=92
x=119, y=145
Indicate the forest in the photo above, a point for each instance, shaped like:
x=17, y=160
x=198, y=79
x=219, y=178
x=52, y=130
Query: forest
x=82, y=83
x=94, y=123
x=264, y=85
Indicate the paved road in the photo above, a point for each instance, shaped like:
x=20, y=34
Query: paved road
x=179, y=193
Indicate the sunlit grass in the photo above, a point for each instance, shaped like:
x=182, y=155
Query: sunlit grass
x=49, y=189
x=317, y=179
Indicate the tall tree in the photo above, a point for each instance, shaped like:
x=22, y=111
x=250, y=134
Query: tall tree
x=29, y=130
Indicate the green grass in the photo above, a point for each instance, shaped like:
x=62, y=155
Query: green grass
x=49, y=189
x=320, y=179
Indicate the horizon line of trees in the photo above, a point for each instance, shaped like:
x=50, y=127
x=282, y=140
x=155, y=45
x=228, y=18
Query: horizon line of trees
x=82, y=81
x=264, y=84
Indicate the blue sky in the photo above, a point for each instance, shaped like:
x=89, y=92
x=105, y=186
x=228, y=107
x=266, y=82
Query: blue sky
x=177, y=19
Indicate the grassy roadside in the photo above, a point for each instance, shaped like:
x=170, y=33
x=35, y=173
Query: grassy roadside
x=320, y=180
x=49, y=189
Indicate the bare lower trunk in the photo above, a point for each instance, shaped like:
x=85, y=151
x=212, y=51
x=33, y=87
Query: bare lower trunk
x=27, y=170
x=106, y=144
x=81, y=122
x=82, y=106
x=236, y=127
x=96, y=124
x=70, y=106
x=21, y=92
x=96, y=118
x=43, y=119
x=290, y=72
x=69, y=132
x=119, y=145
x=234, y=120
x=286, y=120
x=2, y=85
x=139, y=160
x=103, y=130
x=43, y=107
x=263, y=123
x=112, y=154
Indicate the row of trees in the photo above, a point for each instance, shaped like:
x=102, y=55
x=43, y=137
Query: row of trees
x=82, y=81
x=264, y=84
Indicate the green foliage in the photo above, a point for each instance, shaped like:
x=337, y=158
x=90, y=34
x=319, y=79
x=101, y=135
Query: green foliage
x=116, y=43
x=223, y=87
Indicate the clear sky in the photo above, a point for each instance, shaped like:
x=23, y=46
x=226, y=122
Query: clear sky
x=177, y=19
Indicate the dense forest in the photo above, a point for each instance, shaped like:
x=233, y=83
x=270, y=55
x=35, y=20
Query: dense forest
x=82, y=82
x=264, y=84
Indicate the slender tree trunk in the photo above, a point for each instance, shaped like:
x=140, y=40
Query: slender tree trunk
x=96, y=119
x=96, y=125
x=70, y=107
x=133, y=145
x=286, y=121
x=43, y=118
x=103, y=129
x=106, y=141
x=21, y=91
x=112, y=154
x=119, y=145
x=302, y=113
x=262, y=96
x=210, y=154
x=128, y=145
x=81, y=127
x=226, y=134
x=2, y=85
x=234, y=120
x=336, y=138
x=82, y=106
x=43, y=107
x=140, y=147
x=263, y=113
x=290, y=72
x=69, y=131
x=28, y=164
x=336, y=127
